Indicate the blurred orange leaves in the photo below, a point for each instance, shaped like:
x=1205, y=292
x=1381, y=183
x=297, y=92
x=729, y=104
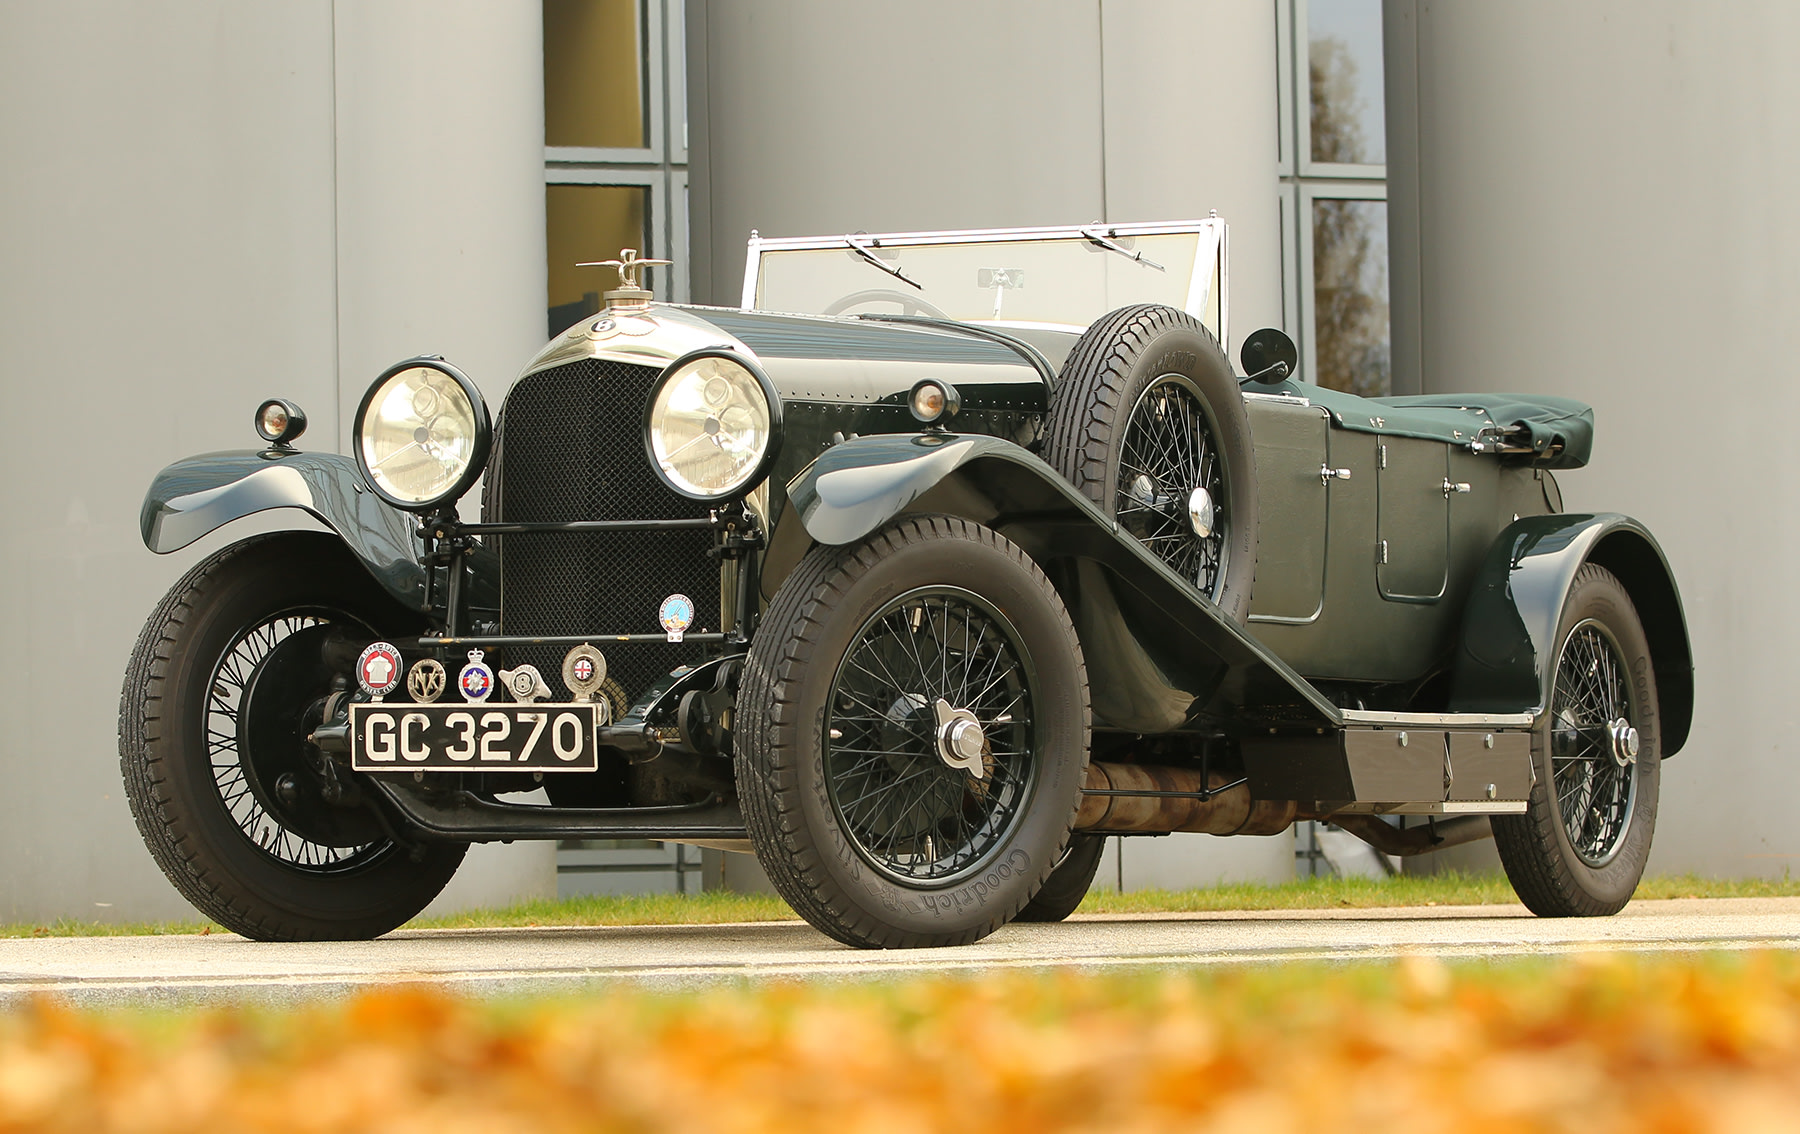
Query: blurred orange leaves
x=1594, y=1044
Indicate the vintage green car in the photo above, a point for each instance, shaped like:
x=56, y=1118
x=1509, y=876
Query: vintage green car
x=982, y=554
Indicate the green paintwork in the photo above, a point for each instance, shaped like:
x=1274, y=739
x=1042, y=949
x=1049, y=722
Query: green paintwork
x=1158, y=655
x=857, y=361
x=1324, y=600
x=1506, y=646
x=1560, y=431
x=198, y=495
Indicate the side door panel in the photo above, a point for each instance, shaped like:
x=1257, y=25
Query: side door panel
x=1413, y=520
x=1292, y=445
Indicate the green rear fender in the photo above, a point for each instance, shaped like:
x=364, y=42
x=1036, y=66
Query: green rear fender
x=198, y=495
x=1506, y=658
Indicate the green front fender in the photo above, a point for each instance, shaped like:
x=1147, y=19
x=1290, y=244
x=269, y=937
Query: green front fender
x=1506, y=659
x=198, y=495
x=1159, y=656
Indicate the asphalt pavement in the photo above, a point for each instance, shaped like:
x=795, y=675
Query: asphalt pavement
x=118, y=970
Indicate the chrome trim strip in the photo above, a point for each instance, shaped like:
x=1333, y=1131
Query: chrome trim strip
x=1207, y=265
x=1213, y=225
x=1439, y=720
x=985, y=235
x=1283, y=399
x=664, y=333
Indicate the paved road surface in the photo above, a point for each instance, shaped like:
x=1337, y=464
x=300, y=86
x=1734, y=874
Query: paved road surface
x=513, y=961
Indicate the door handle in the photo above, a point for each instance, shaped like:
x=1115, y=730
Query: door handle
x=1451, y=486
x=1327, y=473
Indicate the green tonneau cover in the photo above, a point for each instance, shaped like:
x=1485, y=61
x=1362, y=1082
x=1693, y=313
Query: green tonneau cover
x=1559, y=430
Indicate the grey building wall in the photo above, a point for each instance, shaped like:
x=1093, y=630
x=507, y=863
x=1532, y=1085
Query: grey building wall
x=809, y=117
x=1598, y=200
x=203, y=204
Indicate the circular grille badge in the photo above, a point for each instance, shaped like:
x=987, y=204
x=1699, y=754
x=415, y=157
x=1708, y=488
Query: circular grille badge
x=676, y=615
x=584, y=671
x=426, y=681
x=378, y=669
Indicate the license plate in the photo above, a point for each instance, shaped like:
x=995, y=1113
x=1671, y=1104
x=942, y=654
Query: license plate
x=473, y=737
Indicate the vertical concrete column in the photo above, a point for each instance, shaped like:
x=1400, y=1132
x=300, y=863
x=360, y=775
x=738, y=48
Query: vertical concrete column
x=440, y=188
x=808, y=116
x=1190, y=128
x=1600, y=197
x=166, y=260
x=440, y=237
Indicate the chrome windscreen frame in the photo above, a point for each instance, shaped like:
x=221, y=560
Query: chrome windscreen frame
x=1208, y=291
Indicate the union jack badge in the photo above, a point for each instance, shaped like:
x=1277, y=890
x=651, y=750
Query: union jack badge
x=476, y=681
x=378, y=669
x=584, y=671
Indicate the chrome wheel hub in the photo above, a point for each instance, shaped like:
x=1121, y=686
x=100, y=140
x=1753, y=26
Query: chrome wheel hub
x=1200, y=512
x=1625, y=742
x=961, y=743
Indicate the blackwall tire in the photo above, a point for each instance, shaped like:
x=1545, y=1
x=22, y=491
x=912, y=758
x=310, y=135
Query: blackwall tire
x=1062, y=892
x=1154, y=368
x=1580, y=849
x=856, y=815
x=268, y=869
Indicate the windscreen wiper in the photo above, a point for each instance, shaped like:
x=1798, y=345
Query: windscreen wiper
x=893, y=270
x=1115, y=246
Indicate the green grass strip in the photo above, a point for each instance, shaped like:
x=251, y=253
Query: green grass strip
x=717, y=907
x=711, y=907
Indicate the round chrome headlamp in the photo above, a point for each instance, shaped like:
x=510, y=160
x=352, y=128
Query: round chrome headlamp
x=713, y=424
x=422, y=434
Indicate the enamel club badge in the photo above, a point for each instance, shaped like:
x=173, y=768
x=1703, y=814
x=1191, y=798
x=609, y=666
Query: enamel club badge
x=476, y=681
x=378, y=669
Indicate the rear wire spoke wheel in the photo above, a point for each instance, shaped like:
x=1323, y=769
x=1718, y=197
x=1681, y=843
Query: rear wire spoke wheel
x=1581, y=847
x=1068, y=884
x=1595, y=790
x=912, y=735
x=229, y=676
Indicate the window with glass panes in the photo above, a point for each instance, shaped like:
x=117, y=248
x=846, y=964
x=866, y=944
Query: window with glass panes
x=615, y=177
x=1334, y=191
x=615, y=148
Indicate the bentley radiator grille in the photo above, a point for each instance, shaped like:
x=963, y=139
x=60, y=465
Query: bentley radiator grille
x=570, y=447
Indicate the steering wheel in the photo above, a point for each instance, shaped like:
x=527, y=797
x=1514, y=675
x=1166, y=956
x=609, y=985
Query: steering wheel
x=909, y=304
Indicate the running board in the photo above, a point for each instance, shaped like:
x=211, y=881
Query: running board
x=464, y=817
x=1399, y=763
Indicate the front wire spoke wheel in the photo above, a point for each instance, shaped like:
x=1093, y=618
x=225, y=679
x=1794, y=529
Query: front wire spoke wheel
x=252, y=799
x=231, y=674
x=910, y=812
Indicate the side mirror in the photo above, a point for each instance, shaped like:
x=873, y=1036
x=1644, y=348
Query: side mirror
x=1269, y=356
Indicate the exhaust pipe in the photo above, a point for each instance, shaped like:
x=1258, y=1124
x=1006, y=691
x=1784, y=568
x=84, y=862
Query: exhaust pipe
x=1404, y=842
x=1144, y=799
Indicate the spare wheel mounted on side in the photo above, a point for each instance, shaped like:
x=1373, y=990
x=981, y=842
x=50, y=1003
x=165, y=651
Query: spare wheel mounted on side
x=1147, y=421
